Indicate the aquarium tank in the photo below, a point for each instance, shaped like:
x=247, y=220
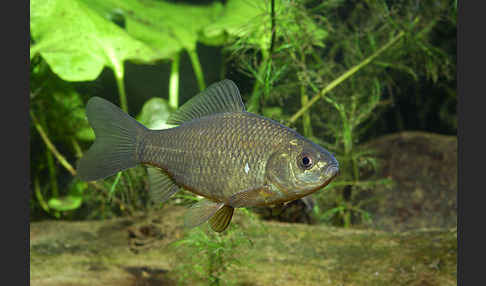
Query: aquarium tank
x=368, y=87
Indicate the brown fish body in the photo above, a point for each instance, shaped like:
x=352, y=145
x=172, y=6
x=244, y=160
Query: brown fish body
x=231, y=157
x=219, y=155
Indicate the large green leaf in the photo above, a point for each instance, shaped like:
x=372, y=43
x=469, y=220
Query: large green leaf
x=249, y=19
x=77, y=43
x=166, y=27
x=70, y=106
x=62, y=109
x=155, y=113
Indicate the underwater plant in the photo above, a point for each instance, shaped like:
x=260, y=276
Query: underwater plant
x=348, y=56
x=73, y=40
x=204, y=255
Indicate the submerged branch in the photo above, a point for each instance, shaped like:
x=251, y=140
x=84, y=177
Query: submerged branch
x=345, y=76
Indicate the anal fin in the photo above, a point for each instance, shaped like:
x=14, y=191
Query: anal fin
x=200, y=212
x=222, y=218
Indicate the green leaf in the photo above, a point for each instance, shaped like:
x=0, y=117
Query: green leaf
x=66, y=203
x=248, y=19
x=77, y=43
x=72, y=201
x=154, y=113
x=74, y=111
x=115, y=183
x=327, y=215
x=166, y=27
x=85, y=134
x=273, y=112
x=64, y=110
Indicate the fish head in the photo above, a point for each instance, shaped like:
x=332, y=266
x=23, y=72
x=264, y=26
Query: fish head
x=301, y=168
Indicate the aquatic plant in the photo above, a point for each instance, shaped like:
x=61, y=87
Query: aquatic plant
x=348, y=56
x=76, y=39
x=203, y=255
x=356, y=111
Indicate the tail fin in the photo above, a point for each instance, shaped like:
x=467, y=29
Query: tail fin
x=115, y=146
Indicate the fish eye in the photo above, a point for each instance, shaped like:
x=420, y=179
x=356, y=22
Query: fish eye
x=305, y=161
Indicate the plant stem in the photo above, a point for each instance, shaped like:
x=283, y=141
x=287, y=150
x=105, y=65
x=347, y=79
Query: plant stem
x=77, y=148
x=39, y=196
x=104, y=191
x=52, y=175
x=50, y=146
x=306, y=122
x=345, y=76
x=50, y=165
x=347, y=217
x=118, y=70
x=222, y=73
x=121, y=91
x=196, y=65
x=272, y=43
x=254, y=101
x=129, y=179
x=112, y=189
x=304, y=98
x=174, y=82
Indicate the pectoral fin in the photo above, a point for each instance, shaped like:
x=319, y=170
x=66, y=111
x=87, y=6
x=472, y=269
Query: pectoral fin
x=255, y=197
x=200, y=212
x=221, y=218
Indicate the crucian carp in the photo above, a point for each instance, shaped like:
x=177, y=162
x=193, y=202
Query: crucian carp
x=231, y=157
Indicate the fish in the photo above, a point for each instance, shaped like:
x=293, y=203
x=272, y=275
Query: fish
x=217, y=150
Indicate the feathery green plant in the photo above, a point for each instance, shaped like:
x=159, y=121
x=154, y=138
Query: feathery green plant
x=204, y=255
x=344, y=55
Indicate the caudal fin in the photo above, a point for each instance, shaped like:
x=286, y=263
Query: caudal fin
x=115, y=146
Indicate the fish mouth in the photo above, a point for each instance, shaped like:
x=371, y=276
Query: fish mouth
x=332, y=171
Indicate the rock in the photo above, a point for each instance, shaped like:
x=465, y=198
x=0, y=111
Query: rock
x=424, y=169
x=299, y=211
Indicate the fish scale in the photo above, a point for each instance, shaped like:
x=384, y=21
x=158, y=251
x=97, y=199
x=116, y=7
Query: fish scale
x=215, y=163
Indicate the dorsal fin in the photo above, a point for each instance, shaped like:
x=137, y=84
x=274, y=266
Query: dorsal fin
x=219, y=97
